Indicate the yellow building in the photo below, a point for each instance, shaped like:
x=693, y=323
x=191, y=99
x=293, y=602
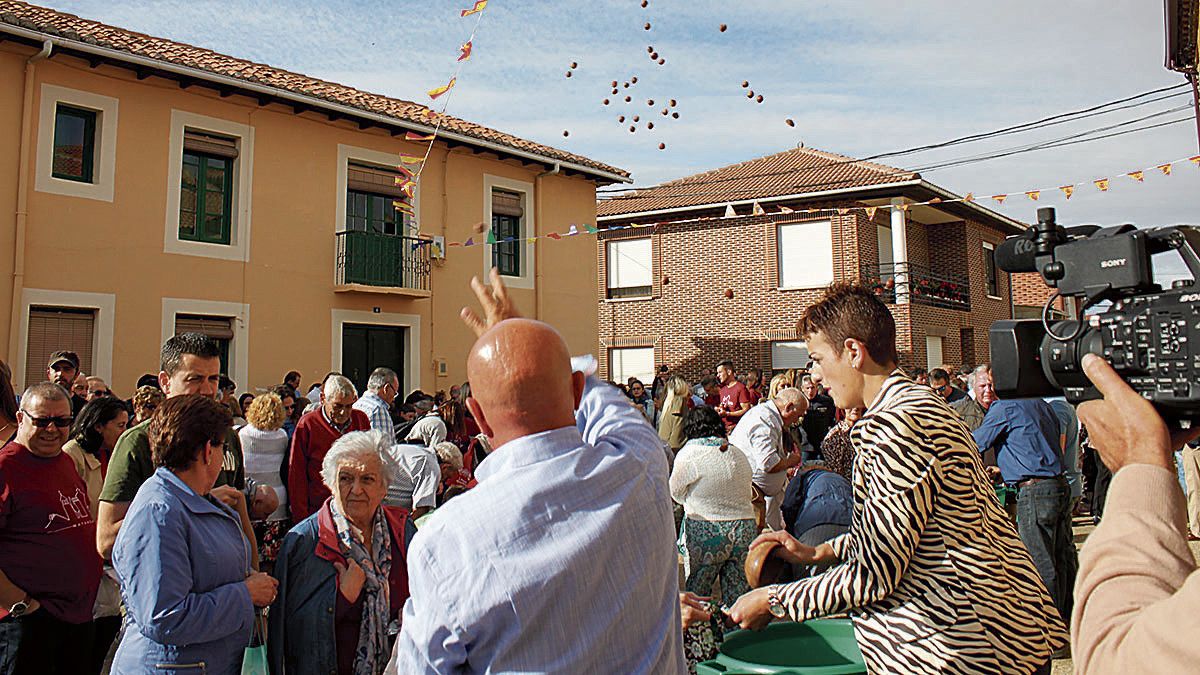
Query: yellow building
x=148, y=186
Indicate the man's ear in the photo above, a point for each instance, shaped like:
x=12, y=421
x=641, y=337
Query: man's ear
x=480, y=419
x=164, y=382
x=578, y=383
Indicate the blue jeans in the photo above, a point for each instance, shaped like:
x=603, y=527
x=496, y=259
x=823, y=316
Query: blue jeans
x=1044, y=523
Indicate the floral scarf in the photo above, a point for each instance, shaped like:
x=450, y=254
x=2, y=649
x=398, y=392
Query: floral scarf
x=372, y=654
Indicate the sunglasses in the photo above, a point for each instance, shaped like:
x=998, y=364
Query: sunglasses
x=43, y=422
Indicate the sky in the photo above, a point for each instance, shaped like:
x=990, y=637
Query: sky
x=857, y=78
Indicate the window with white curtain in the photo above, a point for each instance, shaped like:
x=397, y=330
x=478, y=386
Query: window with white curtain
x=630, y=268
x=786, y=355
x=805, y=254
x=630, y=362
x=933, y=351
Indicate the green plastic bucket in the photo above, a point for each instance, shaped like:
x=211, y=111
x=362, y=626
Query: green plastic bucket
x=818, y=647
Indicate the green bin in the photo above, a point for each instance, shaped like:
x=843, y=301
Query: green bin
x=817, y=647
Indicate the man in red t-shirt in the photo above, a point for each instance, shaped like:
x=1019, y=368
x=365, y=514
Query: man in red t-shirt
x=735, y=398
x=315, y=434
x=754, y=385
x=49, y=567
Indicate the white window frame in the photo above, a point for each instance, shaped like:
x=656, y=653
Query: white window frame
x=648, y=380
x=788, y=342
x=412, y=370
x=239, y=350
x=383, y=160
x=989, y=246
x=940, y=341
x=104, y=158
x=104, y=304
x=238, y=248
x=779, y=254
x=528, y=227
x=609, y=245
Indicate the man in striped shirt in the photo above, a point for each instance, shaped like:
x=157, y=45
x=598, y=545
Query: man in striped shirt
x=376, y=402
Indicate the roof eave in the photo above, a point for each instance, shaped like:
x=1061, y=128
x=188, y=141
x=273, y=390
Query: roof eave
x=311, y=101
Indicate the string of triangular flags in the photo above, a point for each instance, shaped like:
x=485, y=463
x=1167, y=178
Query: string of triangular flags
x=1101, y=184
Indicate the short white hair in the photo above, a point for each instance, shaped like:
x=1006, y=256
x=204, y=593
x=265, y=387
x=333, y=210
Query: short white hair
x=382, y=377
x=339, y=385
x=357, y=446
x=448, y=453
x=985, y=368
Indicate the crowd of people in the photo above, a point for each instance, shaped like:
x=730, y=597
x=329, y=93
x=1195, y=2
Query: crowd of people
x=535, y=519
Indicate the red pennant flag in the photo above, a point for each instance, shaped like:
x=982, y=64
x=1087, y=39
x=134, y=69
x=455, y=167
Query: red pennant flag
x=1068, y=190
x=414, y=136
x=999, y=198
x=1195, y=160
x=464, y=52
x=1033, y=194
x=1165, y=168
x=479, y=7
x=1101, y=183
x=871, y=212
x=554, y=235
x=454, y=243
x=435, y=93
x=1139, y=176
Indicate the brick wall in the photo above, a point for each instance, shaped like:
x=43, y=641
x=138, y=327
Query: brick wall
x=692, y=324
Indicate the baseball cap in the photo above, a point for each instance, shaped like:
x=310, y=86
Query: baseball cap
x=58, y=357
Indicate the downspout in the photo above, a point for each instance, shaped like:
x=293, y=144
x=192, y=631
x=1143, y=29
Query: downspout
x=537, y=244
x=22, y=214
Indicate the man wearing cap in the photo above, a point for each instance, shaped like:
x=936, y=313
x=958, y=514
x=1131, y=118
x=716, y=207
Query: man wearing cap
x=62, y=370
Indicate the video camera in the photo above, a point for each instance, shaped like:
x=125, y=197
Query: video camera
x=1146, y=333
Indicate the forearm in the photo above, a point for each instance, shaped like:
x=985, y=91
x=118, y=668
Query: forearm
x=251, y=539
x=109, y=518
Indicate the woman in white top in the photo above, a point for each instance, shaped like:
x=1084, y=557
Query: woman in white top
x=264, y=449
x=712, y=480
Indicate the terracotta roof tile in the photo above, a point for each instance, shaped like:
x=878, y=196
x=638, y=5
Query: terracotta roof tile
x=69, y=26
x=796, y=171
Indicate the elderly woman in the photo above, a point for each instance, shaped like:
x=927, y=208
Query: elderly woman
x=342, y=571
x=265, y=449
x=713, y=481
x=183, y=562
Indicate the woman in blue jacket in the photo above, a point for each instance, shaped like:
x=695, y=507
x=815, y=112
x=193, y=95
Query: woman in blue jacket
x=184, y=564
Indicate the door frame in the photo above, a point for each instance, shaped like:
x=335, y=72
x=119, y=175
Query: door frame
x=412, y=366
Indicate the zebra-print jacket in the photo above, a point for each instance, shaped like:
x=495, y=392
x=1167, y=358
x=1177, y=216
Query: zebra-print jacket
x=933, y=572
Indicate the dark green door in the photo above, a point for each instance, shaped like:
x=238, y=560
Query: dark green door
x=366, y=347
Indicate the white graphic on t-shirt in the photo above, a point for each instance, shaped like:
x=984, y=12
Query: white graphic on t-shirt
x=74, y=508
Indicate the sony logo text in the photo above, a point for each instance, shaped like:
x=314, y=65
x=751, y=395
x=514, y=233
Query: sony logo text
x=1115, y=262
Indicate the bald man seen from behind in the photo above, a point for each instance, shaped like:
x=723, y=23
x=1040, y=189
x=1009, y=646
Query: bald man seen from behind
x=561, y=560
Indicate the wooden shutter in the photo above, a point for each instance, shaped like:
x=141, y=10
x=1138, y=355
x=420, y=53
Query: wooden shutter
x=209, y=144
x=506, y=204
x=57, y=328
x=215, y=327
x=373, y=180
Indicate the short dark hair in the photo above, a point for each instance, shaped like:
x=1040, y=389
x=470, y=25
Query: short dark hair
x=917, y=372
x=148, y=380
x=851, y=311
x=703, y=422
x=45, y=391
x=939, y=374
x=283, y=391
x=96, y=413
x=708, y=381
x=663, y=368
x=292, y=375
x=727, y=363
x=182, y=425
x=405, y=408
x=178, y=346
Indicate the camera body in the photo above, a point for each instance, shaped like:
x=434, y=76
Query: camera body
x=1147, y=333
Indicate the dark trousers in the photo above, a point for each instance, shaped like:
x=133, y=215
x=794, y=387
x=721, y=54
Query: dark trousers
x=39, y=644
x=1100, y=493
x=1044, y=523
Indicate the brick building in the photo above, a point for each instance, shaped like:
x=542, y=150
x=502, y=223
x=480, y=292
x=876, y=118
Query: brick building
x=721, y=264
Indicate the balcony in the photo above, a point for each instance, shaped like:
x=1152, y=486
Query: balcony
x=374, y=262
x=948, y=291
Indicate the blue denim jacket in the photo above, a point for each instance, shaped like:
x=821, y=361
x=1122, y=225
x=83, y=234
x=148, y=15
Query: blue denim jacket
x=182, y=561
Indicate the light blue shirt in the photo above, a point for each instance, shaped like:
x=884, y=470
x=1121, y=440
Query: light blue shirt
x=378, y=411
x=561, y=560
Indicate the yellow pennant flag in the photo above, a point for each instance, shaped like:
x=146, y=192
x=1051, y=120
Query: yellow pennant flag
x=1033, y=194
x=479, y=7
x=1068, y=190
x=935, y=200
x=1165, y=168
x=1195, y=160
x=903, y=206
x=414, y=136
x=1139, y=176
x=403, y=206
x=757, y=210
x=871, y=212
x=842, y=212
x=999, y=198
x=970, y=197
x=1101, y=183
x=411, y=159
x=531, y=240
x=435, y=93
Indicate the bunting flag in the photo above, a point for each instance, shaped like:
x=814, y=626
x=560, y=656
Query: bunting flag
x=1033, y=194
x=572, y=232
x=784, y=209
x=480, y=5
x=435, y=93
x=455, y=243
x=1195, y=160
x=1139, y=176
x=842, y=212
x=531, y=240
x=757, y=210
x=999, y=198
x=555, y=236
x=903, y=206
x=411, y=159
x=464, y=52
x=1068, y=190
x=590, y=229
x=729, y=212
x=1101, y=183
x=469, y=242
x=1165, y=168
x=491, y=237
x=970, y=197
x=871, y=212
x=414, y=136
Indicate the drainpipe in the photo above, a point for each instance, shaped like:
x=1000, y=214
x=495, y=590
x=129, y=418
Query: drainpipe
x=537, y=244
x=22, y=214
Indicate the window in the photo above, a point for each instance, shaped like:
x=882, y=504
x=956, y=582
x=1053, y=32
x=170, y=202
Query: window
x=989, y=263
x=206, y=195
x=886, y=255
x=805, y=254
x=371, y=197
x=630, y=268
x=507, y=212
x=74, y=144
x=58, y=328
x=631, y=362
x=786, y=355
x=219, y=328
x=933, y=352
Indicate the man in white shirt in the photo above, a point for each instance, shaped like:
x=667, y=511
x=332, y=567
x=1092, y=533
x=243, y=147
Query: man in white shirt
x=759, y=434
x=430, y=429
x=414, y=479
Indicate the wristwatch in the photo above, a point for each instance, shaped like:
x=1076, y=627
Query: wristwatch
x=774, y=605
x=19, y=608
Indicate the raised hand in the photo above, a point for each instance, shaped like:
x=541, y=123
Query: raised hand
x=497, y=306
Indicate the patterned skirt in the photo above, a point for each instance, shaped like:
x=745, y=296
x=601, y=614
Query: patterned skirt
x=716, y=550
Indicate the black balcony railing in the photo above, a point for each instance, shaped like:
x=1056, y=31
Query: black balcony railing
x=950, y=291
x=384, y=260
